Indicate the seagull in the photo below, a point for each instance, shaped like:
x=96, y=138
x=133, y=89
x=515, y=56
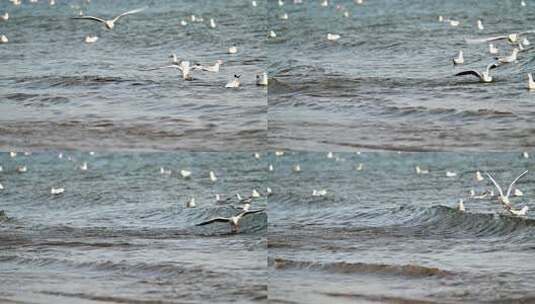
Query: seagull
x=330, y=155
x=56, y=191
x=83, y=167
x=510, y=58
x=332, y=37
x=185, y=174
x=22, y=169
x=213, y=178
x=483, y=76
x=262, y=79
x=212, y=23
x=4, y=17
x=525, y=41
x=479, y=177
x=110, y=24
x=3, y=39
x=255, y=194
x=232, y=50
x=511, y=38
x=421, y=171
x=253, y=3
x=297, y=168
x=234, y=221
x=492, y=49
x=319, y=193
x=183, y=66
x=284, y=16
x=211, y=68
x=272, y=34
x=480, y=25
x=454, y=22
x=1, y=187
x=90, y=39
x=459, y=59
x=525, y=154
x=504, y=199
x=165, y=172
x=234, y=83
x=360, y=167
x=450, y=174
x=531, y=83
x=460, y=206
x=191, y=203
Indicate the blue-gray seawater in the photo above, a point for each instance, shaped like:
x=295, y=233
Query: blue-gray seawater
x=388, y=82
x=120, y=233
x=58, y=92
x=387, y=235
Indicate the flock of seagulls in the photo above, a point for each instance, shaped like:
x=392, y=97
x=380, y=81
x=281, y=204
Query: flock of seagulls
x=185, y=67
x=240, y=204
x=517, y=41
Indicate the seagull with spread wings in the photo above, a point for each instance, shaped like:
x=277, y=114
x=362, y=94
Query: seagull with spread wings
x=504, y=199
x=110, y=24
x=234, y=221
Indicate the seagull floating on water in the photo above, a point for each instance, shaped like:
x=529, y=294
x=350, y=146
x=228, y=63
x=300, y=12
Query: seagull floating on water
x=4, y=17
x=459, y=59
x=234, y=83
x=234, y=221
x=460, y=206
x=332, y=37
x=3, y=39
x=191, y=203
x=531, y=83
x=57, y=191
x=232, y=50
x=185, y=174
x=110, y=24
x=479, y=177
x=421, y=171
x=492, y=49
x=90, y=39
x=262, y=79
x=480, y=25
x=483, y=76
x=213, y=178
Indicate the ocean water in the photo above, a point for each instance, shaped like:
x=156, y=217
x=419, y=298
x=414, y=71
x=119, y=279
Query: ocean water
x=120, y=233
x=388, y=84
x=387, y=235
x=58, y=92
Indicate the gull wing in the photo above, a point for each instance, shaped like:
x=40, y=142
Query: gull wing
x=165, y=67
x=214, y=220
x=252, y=211
x=471, y=72
x=90, y=18
x=513, y=183
x=495, y=184
x=129, y=13
x=483, y=40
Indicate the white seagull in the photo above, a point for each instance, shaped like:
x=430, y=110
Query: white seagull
x=234, y=221
x=459, y=59
x=110, y=24
x=531, y=83
x=210, y=68
x=492, y=49
x=483, y=76
x=504, y=199
x=262, y=79
x=510, y=58
x=234, y=83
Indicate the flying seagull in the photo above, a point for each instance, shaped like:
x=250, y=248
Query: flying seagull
x=234, y=221
x=483, y=76
x=504, y=199
x=110, y=24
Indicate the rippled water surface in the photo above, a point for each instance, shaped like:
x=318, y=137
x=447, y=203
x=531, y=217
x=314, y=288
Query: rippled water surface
x=121, y=234
x=387, y=235
x=388, y=82
x=57, y=91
